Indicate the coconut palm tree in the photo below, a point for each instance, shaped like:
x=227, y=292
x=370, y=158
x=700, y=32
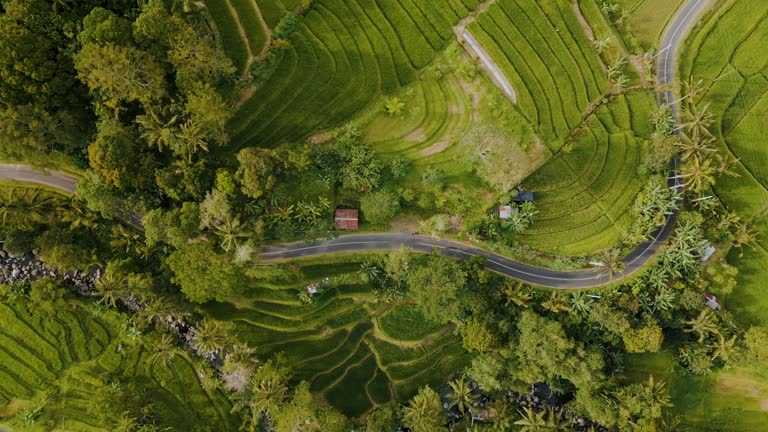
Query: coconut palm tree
x=725, y=164
x=501, y=415
x=691, y=147
x=231, y=230
x=127, y=239
x=723, y=348
x=556, y=304
x=268, y=395
x=164, y=349
x=532, y=421
x=703, y=325
x=698, y=174
x=611, y=262
x=581, y=303
x=370, y=272
x=693, y=88
x=516, y=294
x=241, y=353
x=461, y=395
x=157, y=131
x=157, y=310
x=209, y=336
x=424, y=412
x=111, y=286
x=602, y=44
x=77, y=215
x=697, y=121
x=191, y=138
x=744, y=235
x=556, y=422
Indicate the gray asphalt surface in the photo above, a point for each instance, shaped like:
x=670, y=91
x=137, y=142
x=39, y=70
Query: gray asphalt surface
x=25, y=173
x=673, y=36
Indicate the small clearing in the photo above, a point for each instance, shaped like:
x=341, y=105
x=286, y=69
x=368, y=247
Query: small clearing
x=417, y=135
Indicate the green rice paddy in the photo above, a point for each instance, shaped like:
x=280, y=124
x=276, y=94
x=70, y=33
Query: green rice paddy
x=354, y=352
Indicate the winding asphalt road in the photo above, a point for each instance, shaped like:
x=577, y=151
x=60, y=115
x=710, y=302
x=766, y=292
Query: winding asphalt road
x=685, y=18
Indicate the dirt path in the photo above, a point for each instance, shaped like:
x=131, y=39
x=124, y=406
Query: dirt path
x=244, y=37
x=636, y=63
x=476, y=51
x=267, y=32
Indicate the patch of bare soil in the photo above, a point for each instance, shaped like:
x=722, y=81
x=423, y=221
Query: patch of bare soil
x=417, y=135
x=764, y=405
x=406, y=224
x=436, y=147
x=474, y=98
x=453, y=109
x=244, y=96
x=321, y=138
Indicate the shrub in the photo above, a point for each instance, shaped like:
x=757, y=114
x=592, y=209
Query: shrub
x=379, y=207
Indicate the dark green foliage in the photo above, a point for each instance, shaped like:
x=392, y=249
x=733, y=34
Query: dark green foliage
x=379, y=207
x=436, y=286
x=204, y=274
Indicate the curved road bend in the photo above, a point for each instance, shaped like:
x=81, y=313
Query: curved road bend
x=672, y=38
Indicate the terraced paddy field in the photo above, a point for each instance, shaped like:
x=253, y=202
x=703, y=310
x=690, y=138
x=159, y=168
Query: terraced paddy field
x=242, y=34
x=345, y=54
x=75, y=352
x=355, y=353
x=724, y=53
x=441, y=106
x=545, y=53
x=584, y=197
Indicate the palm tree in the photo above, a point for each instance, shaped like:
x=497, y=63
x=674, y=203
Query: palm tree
x=611, y=262
x=699, y=173
x=532, y=421
x=127, y=239
x=556, y=422
x=692, y=88
x=656, y=392
x=556, y=304
x=723, y=348
x=697, y=121
x=231, y=230
x=665, y=300
x=601, y=44
x=370, y=272
x=516, y=294
x=77, y=215
x=703, y=325
x=111, y=286
x=241, y=353
x=743, y=235
x=501, y=415
x=165, y=349
x=694, y=147
x=581, y=303
x=461, y=396
x=157, y=310
x=209, y=336
x=424, y=412
x=268, y=395
x=725, y=164
x=191, y=137
x=156, y=131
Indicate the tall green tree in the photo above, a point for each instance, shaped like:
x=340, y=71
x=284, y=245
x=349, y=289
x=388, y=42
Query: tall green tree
x=424, y=412
x=436, y=286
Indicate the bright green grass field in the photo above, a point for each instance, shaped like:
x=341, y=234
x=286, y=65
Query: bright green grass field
x=726, y=401
x=648, y=18
x=73, y=351
x=543, y=50
x=354, y=353
x=345, y=54
x=584, y=197
x=740, y=100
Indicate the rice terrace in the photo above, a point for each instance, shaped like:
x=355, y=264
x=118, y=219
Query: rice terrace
x=383, y=215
